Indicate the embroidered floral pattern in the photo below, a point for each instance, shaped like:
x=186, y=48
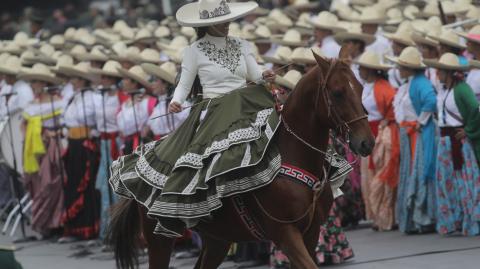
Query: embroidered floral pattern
x=228, y=57
x=222, y=10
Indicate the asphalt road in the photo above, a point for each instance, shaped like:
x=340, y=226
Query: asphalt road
x=391, y=250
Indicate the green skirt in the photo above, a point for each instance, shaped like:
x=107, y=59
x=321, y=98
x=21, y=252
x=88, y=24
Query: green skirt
x=223, y=148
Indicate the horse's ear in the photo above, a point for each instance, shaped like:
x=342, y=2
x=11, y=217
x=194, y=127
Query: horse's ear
x=345, y=52
x=324, y=64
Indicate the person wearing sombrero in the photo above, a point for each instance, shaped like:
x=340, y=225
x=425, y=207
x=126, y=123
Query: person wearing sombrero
x=41, y=159
x=473, y=47
x=81, y=214
x=371, y=18
x=451, y=42
x=161, y=123
x=325, y=25
x=225, y=105
x=107, y=101
x=380, y=170
x=357, y=41
x=136, y=109
x=66, y=87
x=15, y=91
x=414, y=106
x=399, y=41
x=458, y=150
x=429, y=49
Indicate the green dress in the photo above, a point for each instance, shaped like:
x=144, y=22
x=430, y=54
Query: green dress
x=222, y=149
x=469, y=109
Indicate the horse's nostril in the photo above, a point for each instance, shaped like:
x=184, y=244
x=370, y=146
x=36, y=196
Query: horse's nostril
x=367, y=145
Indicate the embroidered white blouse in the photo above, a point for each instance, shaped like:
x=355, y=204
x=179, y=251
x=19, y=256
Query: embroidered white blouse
x=112, y=107
x=17, y=102
x=45, y=109
x=369, y=102
x=446, y=106
x=167, y=123
x=74, y=115
x=126, y=120
x=223, y=64
x=473, y=79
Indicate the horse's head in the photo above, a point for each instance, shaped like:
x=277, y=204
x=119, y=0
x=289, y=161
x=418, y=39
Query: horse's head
x=338, y=102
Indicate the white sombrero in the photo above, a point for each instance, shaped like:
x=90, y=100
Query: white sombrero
x=167, y=71
x=281, y=56
x=211, y=12
x=449, y=38
x=409, y=58
x=371, y=60
x=305, y=55
x=474, y=63
x=110, y=69
x=11, y=65
x=81, y=70
x=289, y=80
x=448, y=61
x=137, y=74
x=473, y=35
x=39, y=72
x=326, y=20
x=291, y=38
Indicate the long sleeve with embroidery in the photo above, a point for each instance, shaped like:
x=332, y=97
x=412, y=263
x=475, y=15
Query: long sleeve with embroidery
x=222, y=64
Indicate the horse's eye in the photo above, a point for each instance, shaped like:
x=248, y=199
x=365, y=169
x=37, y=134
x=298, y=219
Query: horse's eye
x=337, y=94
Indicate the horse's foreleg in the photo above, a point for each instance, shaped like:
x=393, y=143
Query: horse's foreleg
x=310, y=238
x=213, y=253
x=159, y=247
x=292, y=244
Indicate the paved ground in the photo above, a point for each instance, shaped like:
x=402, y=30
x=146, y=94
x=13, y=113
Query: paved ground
x=373, y=250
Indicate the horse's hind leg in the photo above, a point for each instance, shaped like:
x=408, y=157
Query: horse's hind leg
x=292, y=244
x=159, y=247
x=213, y=253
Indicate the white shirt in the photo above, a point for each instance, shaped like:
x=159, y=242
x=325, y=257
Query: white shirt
x=221, y=67
x=473, y=79
x=67, y=92
x=330, y=47
x=369, y=102
x=112, y=107
x=431, y=74
x=75, y=115
x=445, y=104
x=17, y=102
x=394, y=78
x=127, y=124
x=38, y=109
x=402, y=104
x=381, y=46
x=167, y=123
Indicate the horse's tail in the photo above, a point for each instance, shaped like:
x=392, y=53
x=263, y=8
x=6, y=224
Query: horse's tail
x=123, y=233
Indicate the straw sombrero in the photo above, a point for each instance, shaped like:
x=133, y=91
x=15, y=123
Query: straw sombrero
x=162, y=32
x=167, y=71
x=409, y=58
x=11, y=66
x=280, y=57
x=110, y=69
x=305, y=55
x=148, y=56
x=474, y=63
x=12, y=48
x=57, y=41
x=448, y=38
x=39, y=72
x=473, y=35
x=289, y=80
x=262, y=35
x=82, y=70
x=137, y=74
x=354, y=33
x=211, y=12
x=144, y=36
x=178, y=41
x=422, y=39
x=62, y=60
x=291, y=38
x=371, y=60
x=372, y=15
x=327, y=21
x=448, y=61
x=97, y=53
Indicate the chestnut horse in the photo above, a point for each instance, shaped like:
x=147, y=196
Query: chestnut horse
x=289, y=214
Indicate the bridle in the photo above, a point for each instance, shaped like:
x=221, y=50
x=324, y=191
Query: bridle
x=341, y=126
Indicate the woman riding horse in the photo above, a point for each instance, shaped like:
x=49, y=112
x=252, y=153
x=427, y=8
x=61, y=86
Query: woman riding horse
x=230, y=150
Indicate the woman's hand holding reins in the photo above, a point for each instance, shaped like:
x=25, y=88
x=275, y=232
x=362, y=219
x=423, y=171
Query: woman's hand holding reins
x=269, y=76
x=174, y=107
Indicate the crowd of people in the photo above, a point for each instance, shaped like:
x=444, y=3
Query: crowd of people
x=90, y=95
